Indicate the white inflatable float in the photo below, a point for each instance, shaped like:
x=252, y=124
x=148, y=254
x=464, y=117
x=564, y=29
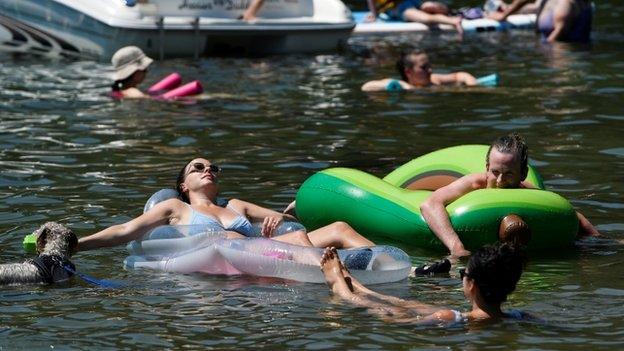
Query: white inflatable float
x=385, y=25
x=189, y=249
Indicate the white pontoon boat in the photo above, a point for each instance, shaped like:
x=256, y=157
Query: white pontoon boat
x=95, y=29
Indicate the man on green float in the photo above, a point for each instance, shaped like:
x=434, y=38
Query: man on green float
x=506, y=167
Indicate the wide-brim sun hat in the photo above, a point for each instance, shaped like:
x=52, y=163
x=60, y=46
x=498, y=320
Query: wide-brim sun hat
x=128, y=60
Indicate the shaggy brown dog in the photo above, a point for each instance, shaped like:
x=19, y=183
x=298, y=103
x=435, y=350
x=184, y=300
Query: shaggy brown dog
x=55, y=244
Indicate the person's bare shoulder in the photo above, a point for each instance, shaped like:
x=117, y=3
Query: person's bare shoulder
x=133, y=93
x=445, y=316
x=382, y=84
x=376, y=85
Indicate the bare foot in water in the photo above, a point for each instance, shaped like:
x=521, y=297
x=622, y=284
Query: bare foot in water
x=353, y=283
x=332, y=269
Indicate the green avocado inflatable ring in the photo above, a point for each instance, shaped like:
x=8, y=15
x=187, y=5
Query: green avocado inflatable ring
x=389, y=208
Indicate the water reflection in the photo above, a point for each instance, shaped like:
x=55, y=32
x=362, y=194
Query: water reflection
x=71, y=154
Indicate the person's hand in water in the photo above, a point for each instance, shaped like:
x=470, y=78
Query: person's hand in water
x=269, y=225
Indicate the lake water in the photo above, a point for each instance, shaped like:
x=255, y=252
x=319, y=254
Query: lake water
x=70, y=154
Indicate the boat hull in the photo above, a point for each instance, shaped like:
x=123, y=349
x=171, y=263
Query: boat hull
x=56, y=28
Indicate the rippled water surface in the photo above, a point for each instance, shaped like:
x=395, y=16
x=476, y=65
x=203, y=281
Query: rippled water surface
x=68, y=153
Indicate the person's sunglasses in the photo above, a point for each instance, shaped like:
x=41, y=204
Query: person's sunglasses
x=200, y=167
x=462, y=273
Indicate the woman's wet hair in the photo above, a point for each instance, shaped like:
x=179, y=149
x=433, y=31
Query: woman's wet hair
x=180, y=180
x=406, y=61
x=496, y=270
x=511, y=144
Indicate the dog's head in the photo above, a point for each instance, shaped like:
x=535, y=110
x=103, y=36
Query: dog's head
x=56, y=239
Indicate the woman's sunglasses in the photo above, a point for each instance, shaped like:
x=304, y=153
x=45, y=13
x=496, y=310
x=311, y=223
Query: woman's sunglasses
x=200, y=167
x=462, y=273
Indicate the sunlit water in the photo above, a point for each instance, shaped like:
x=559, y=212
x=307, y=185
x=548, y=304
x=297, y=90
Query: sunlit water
x=70, y=154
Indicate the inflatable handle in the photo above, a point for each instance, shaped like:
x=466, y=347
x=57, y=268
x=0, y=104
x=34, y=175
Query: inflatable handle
x=160, y=195
x=171, y=81
x=192, y=88
x=488, y=81
x=158, y=246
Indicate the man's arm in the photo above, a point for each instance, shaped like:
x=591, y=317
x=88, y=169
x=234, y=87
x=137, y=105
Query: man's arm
x=434, y=211
x=585, y=227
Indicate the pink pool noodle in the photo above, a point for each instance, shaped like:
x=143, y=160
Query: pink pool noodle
x=169, y=82
x=192, y=88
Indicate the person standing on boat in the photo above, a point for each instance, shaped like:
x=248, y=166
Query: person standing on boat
x=557, y=20
x=252, y=10
x=416, y=72
x=130, y=64
x=506, y=167
x=427, y=12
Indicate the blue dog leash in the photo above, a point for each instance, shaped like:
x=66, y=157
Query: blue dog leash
x=97, y=282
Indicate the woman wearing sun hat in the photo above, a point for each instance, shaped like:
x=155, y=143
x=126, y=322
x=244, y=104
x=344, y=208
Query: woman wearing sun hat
x=130, y=64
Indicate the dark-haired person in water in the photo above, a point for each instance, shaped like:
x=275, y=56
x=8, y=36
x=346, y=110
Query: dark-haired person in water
x=130, y=64
x=416, y=72
x=489, y=277
x=198, y=187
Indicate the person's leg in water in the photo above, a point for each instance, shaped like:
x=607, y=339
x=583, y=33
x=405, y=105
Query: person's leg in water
x=416, y=15
x=358, y=287
x=341, y=287
x=434, y=7
x=338, y=234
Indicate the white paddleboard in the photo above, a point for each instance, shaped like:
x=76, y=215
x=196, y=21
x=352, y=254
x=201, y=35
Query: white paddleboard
x=523, y=21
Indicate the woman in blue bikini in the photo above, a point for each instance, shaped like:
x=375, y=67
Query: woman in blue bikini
x=198, y=187
x=491, y=274
x=557, y=20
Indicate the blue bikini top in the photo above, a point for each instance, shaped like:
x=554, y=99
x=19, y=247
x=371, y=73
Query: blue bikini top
x=240, y=224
